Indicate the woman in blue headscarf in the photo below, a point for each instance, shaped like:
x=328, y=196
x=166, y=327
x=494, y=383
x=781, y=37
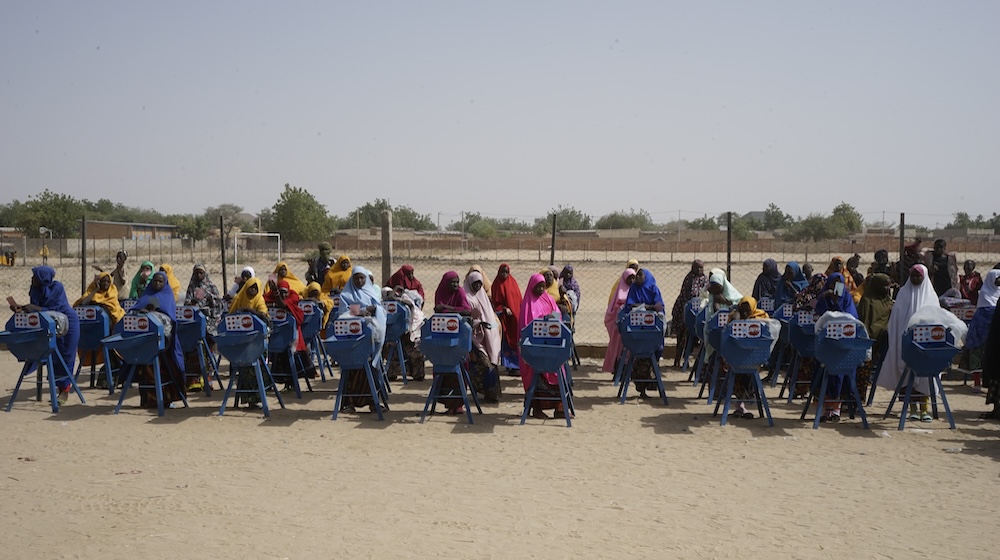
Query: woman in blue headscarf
x=835, y=297
x=790, y=284
x=644, y=291
x=361, y=298
x=159, y=296
x=48, y=294
x=767, y=281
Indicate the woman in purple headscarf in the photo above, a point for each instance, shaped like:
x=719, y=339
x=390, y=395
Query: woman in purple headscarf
x=159, y=296
x=693, y=285
x=767, y=281
x=451, y=298
x=48, y=294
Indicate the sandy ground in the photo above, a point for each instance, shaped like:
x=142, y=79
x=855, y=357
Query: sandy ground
x=642, y=479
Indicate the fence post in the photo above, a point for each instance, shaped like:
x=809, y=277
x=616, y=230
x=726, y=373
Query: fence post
x=386, y=244
x=729, y=245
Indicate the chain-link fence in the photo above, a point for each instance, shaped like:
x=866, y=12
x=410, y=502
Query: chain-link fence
x=596, y=269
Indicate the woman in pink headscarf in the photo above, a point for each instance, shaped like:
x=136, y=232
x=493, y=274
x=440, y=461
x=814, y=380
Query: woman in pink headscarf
x=538, y=303
x=615, y=304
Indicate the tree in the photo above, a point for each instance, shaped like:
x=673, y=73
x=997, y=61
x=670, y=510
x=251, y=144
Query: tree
x=567, y=218
x=704, y=223
x=189, y=225
x=230, y=218
x=58, y=212
x=370, y=215
x=845, y=220
x=775, y=219
x=9, y=212
x=622, y=220
x=265, y=218
x=814, y=227
x=298, y=216
x=483, y=229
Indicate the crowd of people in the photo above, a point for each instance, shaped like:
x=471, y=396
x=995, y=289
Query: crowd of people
x=883, y=300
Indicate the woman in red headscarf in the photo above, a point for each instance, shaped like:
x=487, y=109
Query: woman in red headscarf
x=283, y=297
x=404, y=277
x=506, y=297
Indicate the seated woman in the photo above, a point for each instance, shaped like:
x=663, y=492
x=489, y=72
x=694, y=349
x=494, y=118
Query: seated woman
x=450, y=297
x=767, y=281
x=102, y=293
x=537, y=303
x=203, y=294
x=693, y=284
x=284, y=297
x=485, y=354
x=361, y=298
x=616, y=304
x=506, y=297
x=249, y=299
x=282, y=272
x=644, y=291
x=47, y=294
x=141, y=279
x=834, y=297
x=413, y=358
x=720, y=297
x=245, y=274
x=338, y=276
x=404, y=278
x=743, y=387
x=160, y=298
x=315, y=294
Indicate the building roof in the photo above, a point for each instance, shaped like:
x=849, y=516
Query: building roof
x=139, y=224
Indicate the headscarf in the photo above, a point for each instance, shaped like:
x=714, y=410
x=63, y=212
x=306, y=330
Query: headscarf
x=552, y=289
x=909, y=300
x=506, y=293
x=444, y=295
x=290, y=303
x=138, y=284
x=235, y=288
x=691, y=287
x=172, y=281
x=533, y=307
x=294, y=284
x=876, y=304
x=647, y=293
x=767, y=281
x=782, y=294
x=732, y=295
x=366, y=295
x=754, y=312
x=486, y=339
x=400, y=278
x=205, y=295
x=990, y=292
x=618, y=298
x=50, y=295
x=107, y=299
x=337, y=278
x=323, y=298
x=806, y=299
x=844, y=302
x=244, y=301
x=614, y=285
x=571, y=284
x=487, y=285
x=163, y=300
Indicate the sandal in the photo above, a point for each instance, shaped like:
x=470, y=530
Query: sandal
x=834, y=418
x=747, y=416
x=539, y=413
x=926, y=417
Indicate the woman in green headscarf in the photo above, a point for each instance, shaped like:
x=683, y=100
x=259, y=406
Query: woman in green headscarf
x=874, y=310
x=141, y=279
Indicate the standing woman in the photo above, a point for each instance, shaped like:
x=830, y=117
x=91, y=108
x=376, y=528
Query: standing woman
x=487, y=285
x=979, y=328
x=538, y=303
x=507, y=304
x=917, y=292
x=567, y=280
x=644, y=291
x=140, y=279
x=611, y=320
x=693, y=285
x=48, y=294
x=172, y=281
x=294, y=284
x=119, y=275
x=874, y=311
x=485, y=354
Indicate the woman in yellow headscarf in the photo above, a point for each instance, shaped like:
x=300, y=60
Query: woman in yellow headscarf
x=175, y=284
x=338, y=276
x=250, y=299
x=634, y=265
x=315, y=292
x=102, y=292
x=294, y=284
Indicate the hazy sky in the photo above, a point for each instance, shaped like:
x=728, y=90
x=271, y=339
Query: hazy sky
x=507, y=108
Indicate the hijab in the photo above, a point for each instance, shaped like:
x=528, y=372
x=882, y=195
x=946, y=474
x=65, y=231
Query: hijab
x=364, y=296
x=850, y=286
x=909, y=300
x=163, y=300
x=243, y=300
x=767, y=281
x=444, y=295
x=204, y=294
x=646, y=293
x=843, y=303
x=799, y=282
x=400, y=278
x=552, y=289
x=337, y=278
x=571, y=284
x=107, y=299
x=294, y=284
x=506, y=292
x=990, y=292
x=618, y=297
x=172, y=281
x=487, y=339
x=532, y=306
x=732, y=295
x=323, y=298
x=487, y=285
x=50, y=293
x=754, y=312
x=876, y=304
x=138, y=283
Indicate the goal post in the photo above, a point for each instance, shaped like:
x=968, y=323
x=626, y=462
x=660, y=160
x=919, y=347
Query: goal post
x=236, y=244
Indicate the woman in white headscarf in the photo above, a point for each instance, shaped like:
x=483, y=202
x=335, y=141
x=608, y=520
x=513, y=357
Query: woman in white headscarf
x=916, y=293
x=485, y=355
x=361, y=298
x=979, y=327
